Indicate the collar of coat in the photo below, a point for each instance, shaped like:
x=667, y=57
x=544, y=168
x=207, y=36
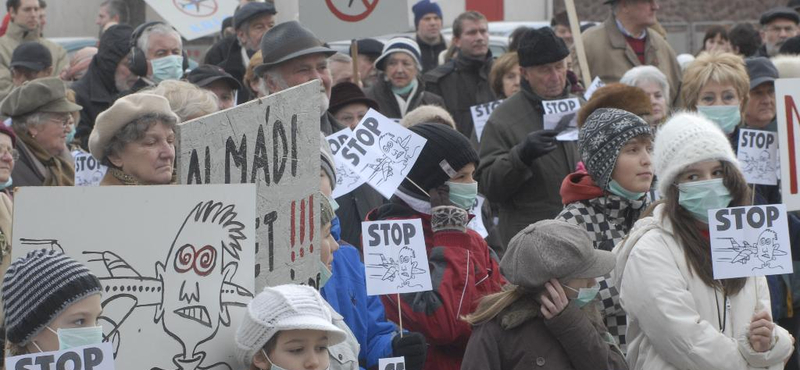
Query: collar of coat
x=20, y=33
x=617, y=40
x=523, y=309
x=470, y=64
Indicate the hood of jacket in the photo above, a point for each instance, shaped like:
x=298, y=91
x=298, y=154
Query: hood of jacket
x=579, y=186
x=658, y=220
x=114, y=46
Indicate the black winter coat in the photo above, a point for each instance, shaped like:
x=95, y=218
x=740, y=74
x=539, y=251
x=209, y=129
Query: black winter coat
x=382, y=93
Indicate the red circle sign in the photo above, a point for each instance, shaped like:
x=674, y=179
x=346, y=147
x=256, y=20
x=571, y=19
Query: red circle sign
x=197, y=8
x=352, y=17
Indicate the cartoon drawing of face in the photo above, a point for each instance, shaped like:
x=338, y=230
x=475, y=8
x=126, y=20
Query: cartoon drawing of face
x=763, y=161
x=405, y=263
x=396, y=150
x=766, y=246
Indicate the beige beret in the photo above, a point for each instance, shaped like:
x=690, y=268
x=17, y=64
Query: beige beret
x=40, y=95
x=124, y=110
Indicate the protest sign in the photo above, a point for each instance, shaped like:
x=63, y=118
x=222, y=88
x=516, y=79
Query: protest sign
x=93, y=357
x=175, y=262
x=395, y=258
x=562, y=116
x=787, y=97
x=88, y=171
x=347, y=179
x=274, y=143
x=392, y=363
x=382, y=152
x=481, y=113
x=596, y=84
x=194, y=18
x=333, y=20
x=476, y=223
x=758, y=156
x=750, y=241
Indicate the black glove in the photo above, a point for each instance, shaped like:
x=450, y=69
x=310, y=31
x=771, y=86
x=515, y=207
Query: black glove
x=537, y=144
x=413, y=347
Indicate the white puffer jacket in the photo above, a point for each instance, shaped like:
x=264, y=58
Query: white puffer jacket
x=673, y=319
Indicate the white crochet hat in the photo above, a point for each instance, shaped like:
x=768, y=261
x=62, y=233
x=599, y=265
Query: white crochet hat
x=687, y=138
x=284, y=307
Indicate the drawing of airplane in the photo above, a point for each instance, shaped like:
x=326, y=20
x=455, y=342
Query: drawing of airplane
x=390, y=266
x=196, y=3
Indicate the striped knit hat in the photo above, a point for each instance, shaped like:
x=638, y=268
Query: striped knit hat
x=284, y=307
x=39, y=287
x=399, y=45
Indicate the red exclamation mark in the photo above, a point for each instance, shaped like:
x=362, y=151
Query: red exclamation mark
x=302, y=226
x=293, y=229
x=311, y=223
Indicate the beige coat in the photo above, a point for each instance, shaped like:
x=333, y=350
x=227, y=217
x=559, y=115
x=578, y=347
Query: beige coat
x=16, y=35
x=609, y=56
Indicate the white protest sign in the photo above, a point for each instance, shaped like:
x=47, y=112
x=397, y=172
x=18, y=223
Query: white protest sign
x=562, y=116
x=787, y=96
x=758, y=156
x=382, y=152
x=347, y=179
x=272, y=142
x=750, y=241
x=596, y=84
x=481, y=113
x=88, y=171
x=395, y=257
x=176, y=263
x=476, y=223
x=194, y=18
x=333, y=20
x=392, y=363
x=94, y=357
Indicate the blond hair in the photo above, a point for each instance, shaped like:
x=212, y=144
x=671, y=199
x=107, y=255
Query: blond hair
x=186, y=100
x=491, y=305
x=722, y=68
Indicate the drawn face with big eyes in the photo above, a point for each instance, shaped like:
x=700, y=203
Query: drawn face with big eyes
x=766, y=248
x=405, y=264
x=393, y=148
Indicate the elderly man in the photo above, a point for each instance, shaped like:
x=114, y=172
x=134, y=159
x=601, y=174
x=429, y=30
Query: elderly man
x=24, y=26
x=464, y=80
x=777, y=25
x=111, y=12
x=341, y=67
x=368, y=51
x=522, y=164
x=625, y=40
x=428, y=22
x=158, y=55
x=760, y=111
x=233, y=53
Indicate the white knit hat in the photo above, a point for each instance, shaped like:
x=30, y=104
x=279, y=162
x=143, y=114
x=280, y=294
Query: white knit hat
x=284, y=307
x=687, y=138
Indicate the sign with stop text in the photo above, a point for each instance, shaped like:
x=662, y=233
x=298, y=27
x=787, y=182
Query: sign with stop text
x=395, y=257
x=758, y=156
x=787, y=98
x=562, y=116
x=481, y=113
x=392, y=363
x=333, y=20
x=88, y=170
x=94, y=357
x=347, y=179
x=750, y=241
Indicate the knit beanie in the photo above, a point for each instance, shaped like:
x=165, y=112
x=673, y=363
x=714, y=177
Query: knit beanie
x=445, y=152
x=39, y=287
x=399, y=45
x=541, y=46
x=325, y=209
x=424, y=7
x=685, y=139
x=602, y=137
x=327, y=162
x=284, y=307
x=620, y=96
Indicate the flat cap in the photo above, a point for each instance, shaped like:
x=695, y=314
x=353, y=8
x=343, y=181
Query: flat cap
x=782, y=12
x=207, y=74
x=124, y=110
x=250, y=10
x=370, y=47
x=41, y=95
x=760, y=70
x=31, y=55
x=287, y=41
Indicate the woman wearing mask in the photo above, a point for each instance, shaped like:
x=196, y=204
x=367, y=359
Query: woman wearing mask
x=51, y=303
x=679, y=316
x=717, y=86
x=438, y=190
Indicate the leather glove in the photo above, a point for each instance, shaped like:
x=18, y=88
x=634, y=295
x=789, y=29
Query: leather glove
x=413, y=347
x=536, y=144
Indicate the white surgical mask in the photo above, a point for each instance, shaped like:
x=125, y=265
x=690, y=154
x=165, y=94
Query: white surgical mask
x=78, y=337
x=276, y=367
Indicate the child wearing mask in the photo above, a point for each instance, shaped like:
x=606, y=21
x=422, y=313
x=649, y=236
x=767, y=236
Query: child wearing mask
x=679, y=316
x=615, y=148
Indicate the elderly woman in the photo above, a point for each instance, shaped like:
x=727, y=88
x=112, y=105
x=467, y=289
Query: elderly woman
x=400, y=89
x=42, y=118
x=135, y=138
x=655, y=85
x=186, y=100
x=349, y=104
x=504, y=77
x=8, y=154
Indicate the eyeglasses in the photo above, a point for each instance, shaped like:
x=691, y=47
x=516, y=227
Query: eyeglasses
x=778, y=29
x=14, y=152
x=65, y=120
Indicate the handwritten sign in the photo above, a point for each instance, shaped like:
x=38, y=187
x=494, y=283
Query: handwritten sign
x=395, y=257
x=562, y=116
x=758, y=156
x=94, y=357
x=393, y=363
x=787, y=97
x=596, y=84
x=481, y=113
x=476, y=223
x=347, y=179
x=750, y=241
x=88, y=171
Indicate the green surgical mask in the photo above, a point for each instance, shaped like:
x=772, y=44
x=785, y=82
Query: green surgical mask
x=324, y=274
x=615, y=188
x=78, y=337
x=167, y=68
x=727, y=117
x=699, y=196
x=585, y=295
x=463, y=195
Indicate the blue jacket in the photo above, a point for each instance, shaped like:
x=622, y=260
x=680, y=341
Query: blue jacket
x=346, y=292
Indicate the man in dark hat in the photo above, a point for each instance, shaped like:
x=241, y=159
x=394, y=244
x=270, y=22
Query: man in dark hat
x=31, y=60
x=368, y=51
x=216, y=80
x=250, y=22
x=522, y=164
x=777, y=25
x=428, y=23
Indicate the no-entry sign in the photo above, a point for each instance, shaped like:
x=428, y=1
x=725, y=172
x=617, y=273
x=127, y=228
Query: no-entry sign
x=194, y=18
x=334, y=20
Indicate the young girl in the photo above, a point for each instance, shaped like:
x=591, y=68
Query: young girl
x=679, y=316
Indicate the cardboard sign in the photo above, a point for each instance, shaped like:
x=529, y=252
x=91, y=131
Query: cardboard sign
x=272, y=142
x=175, y=262
x=596, y=84
x=562, y=116
x=750, y=241
x=382, y=152
x=194, y=18
x=88, y=171
x=476, y=223
x=393, y=363
x=347, y=179
x=481, y=113
x=333, y=20
x=758, y=156
x=95, y=357
x=395, y=257
x=787, y=97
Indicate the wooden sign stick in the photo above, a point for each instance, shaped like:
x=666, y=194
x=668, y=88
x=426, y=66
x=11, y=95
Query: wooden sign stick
x=575, y=28
x=354, y=55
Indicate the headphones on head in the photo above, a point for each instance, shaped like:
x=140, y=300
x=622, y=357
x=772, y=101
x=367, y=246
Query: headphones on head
x=137, y=59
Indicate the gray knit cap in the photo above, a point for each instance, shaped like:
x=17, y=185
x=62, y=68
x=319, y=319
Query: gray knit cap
x=551, y=249
x=39, y=287
x=602, y=137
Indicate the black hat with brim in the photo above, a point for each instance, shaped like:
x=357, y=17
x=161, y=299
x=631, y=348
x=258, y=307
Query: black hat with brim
x=207, y=74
